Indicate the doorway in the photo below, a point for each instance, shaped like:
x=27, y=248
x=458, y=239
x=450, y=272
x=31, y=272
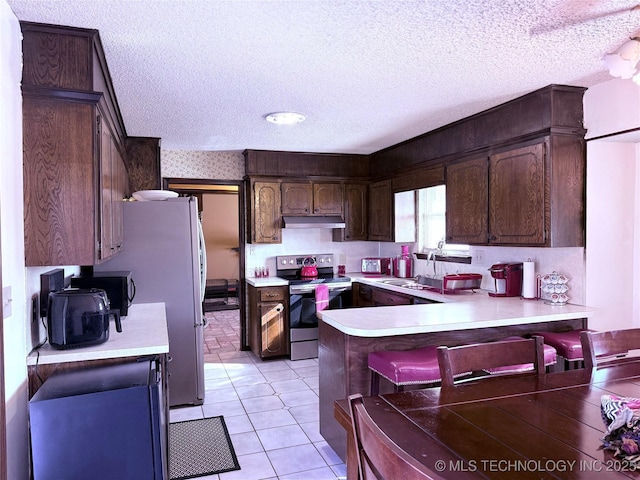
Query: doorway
x=225, y=275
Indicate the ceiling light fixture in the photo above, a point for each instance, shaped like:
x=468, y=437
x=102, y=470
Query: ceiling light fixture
x=285, y=118
x=622, y=63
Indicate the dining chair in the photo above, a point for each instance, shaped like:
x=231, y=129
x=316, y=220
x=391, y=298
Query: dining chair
x=550, y=360
x=568, y=346
x=418, y=366
x=602, y=347
x=379, y=458
x=479, y=357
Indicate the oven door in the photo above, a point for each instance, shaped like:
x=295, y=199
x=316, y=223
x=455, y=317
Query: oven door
x=303, y=323
x=302, y=306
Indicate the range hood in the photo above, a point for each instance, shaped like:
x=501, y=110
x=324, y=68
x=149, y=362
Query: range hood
x=313, y=222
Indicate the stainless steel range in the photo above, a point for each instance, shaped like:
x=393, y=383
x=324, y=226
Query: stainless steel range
x=303, y=323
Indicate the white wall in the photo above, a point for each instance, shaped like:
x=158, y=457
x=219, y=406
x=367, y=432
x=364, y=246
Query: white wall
x=612, y=252
x=611, y=187
x=12, y=242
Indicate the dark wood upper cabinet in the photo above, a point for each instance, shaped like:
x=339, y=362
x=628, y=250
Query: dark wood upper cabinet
x=355, y=214
x=297, y=199
x=74, y=175
x=265, y=220
x=529, y=195
x=515, y=175
x=143, y=163
x=381, y=211
x=467, y=195
x=312, y=198
x=516, y=196
x=328, y=199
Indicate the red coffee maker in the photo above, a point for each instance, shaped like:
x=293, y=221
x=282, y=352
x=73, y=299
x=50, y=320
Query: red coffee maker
x=508, y=279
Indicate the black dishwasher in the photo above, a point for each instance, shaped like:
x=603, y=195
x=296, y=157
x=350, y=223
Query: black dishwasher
x=100, y=423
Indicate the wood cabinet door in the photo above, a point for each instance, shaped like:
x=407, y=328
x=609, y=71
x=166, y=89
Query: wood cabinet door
x=120, y=192
x=327, y=199
x=467, y=197
x=59, y=184
x=362, y=295
x=381, y=211
x=107, y=246
x=273, y=332
x=268, y=321
x=355, y=212
x=267, y=221
x=516, y=196
x=297, y=198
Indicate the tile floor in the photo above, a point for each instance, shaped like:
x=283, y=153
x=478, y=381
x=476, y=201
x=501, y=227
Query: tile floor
x=270, y=408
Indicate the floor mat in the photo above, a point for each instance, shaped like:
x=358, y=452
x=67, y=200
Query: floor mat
x=200, y=447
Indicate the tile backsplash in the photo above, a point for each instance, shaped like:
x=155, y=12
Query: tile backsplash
x=568, y=261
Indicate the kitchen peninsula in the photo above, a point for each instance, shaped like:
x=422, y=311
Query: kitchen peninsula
x=347, y=337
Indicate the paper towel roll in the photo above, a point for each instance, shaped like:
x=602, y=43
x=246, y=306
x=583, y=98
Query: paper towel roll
x=529, y=279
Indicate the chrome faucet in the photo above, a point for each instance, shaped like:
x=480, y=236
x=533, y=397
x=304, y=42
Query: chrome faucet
x=431, y=257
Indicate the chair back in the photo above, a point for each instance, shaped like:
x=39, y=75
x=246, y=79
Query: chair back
x=601, y=347
x=379, y=458
x=456, y=361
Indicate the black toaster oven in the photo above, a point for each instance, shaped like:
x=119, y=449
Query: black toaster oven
x=119, y=286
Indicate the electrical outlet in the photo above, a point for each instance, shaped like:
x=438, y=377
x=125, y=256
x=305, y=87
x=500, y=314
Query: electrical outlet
x=479, y=256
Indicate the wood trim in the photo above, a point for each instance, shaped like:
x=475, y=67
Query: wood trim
x=198, y=184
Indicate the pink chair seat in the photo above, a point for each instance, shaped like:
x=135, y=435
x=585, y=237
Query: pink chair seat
x=567, y=344
x=407, y=367
x=550, y=358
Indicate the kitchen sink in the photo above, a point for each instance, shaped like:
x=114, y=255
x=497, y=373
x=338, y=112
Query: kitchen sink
x=399, y=282
x=433, y=282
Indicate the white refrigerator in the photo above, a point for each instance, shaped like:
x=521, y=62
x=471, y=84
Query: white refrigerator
x=163, y=248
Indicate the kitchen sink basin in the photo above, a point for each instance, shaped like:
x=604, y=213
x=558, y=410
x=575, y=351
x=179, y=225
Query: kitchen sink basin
x=398, y=282
x=433, y=282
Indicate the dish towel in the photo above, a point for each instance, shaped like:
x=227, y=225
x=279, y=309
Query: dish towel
x=322, y=297
x=621, y=415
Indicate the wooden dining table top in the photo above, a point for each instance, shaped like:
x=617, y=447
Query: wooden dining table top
x=509, y=427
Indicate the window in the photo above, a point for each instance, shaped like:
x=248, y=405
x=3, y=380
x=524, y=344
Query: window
x=431, y=220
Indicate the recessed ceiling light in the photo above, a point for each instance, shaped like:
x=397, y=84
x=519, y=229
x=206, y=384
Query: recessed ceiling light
x=285, y=118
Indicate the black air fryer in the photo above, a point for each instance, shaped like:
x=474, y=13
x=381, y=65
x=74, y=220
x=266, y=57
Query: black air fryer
x=118, y=285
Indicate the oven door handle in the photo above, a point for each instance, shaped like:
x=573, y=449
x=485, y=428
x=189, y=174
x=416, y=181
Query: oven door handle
x=300, y=290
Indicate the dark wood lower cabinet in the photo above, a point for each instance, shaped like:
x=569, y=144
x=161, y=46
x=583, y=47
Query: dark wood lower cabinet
x=269, y=321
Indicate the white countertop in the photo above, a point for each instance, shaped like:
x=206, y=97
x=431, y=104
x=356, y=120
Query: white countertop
x=461, y=311
x=267, y=281
x=144, y=332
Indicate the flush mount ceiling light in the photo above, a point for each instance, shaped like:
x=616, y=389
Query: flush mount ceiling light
x=285, y=118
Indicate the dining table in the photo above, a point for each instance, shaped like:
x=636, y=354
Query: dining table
x=520, y=426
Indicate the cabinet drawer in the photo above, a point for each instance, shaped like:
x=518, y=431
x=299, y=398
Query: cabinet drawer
x=272, y=294
x=385, y=297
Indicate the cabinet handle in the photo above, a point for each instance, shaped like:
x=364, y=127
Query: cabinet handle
x=317, y=210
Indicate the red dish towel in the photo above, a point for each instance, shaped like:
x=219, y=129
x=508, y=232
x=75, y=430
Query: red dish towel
x=322, y=297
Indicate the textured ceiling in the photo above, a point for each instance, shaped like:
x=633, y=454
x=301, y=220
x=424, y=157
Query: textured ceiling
x=202, y=74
